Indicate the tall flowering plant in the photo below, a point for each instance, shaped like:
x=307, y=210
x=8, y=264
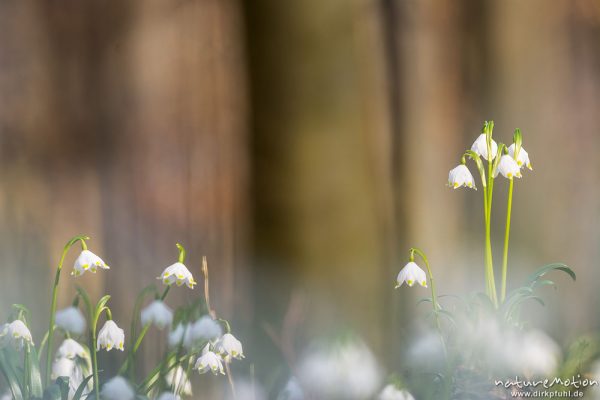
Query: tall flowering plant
x=471, y=336
x=198, y=340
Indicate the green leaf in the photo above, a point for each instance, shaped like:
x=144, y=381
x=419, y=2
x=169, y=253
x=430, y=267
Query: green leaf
x=549, y=268
x=10, y=376
x=79, y=392
x=34, y=373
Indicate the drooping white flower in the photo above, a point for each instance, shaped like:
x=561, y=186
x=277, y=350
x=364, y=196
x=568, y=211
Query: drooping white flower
x=206, y=328
x=461, y=176
x=157, y=313
x=6, y=396
x=344, y=370
x=15, y=334
x=291, y=391
x=117, y=389
x=181, y=335
x=71, y=369
x=168, y=396
x=229, y=347
x=178, y=274
x=178, y=378
x=88, y=261
x=209, y=361
x=480, y=147
x=391, y=392
x=70, y=349
x=523, y=158
x=410, y=274
x=72, y=361
x=71, y=320
x=508, y=167
x=111, y=336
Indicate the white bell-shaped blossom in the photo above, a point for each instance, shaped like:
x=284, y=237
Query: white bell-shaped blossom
x=15, y=334
x=6, y=396
x=461, y=176
x=117, y=389
x=523, y=158
x=181, y=335
x=480, y=147
x=157, y=313
x=209, y=361
x=178, y=274
x=508, y=167
x=111, y=336
x=206, y=328
x=71, y=320
x=411, y=274
x=168, y=396
x=88, y=261
x=391, y=392
x=229, y=347
x=70, y=349
x=178, y=378
x=72, y=369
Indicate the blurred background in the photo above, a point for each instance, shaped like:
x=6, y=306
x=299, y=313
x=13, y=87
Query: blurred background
x=303, y=147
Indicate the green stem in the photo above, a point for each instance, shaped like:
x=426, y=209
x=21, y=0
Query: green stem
x=69, y=244
x=434, y=298
x=506, y=236
x=27, y=366
x=101, y=306
x=95, y=362
x=489, y=262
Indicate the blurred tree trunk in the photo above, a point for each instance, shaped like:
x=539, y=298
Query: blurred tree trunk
x=322, y=170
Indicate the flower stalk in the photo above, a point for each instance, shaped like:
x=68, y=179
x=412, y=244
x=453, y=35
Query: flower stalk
x=506, y=237
x=70, y=243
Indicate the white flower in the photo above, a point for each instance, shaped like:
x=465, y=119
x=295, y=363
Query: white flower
x=6, y=396
x=343, y=370
x=157, y=313
x=72, y=361
x=87, y=261
x=229, y=347
x=70, y=349
x=209, y=361
x=461, y=176
x=182, y=334
x=71, y=320
x=15, y=334
x=205, y=328
x=178, y=378
x=391, y=392
x=291, y=391
x=480, y=147
x=70, y=369
x=508, y=167
x=523, y=159
x=117, y=389
x=410, y=274
x=168, y=396
x=110, y=336
x=178, y=274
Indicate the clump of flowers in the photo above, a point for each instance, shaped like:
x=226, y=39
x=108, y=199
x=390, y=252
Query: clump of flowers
x=203, y=342
x=483, y=334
